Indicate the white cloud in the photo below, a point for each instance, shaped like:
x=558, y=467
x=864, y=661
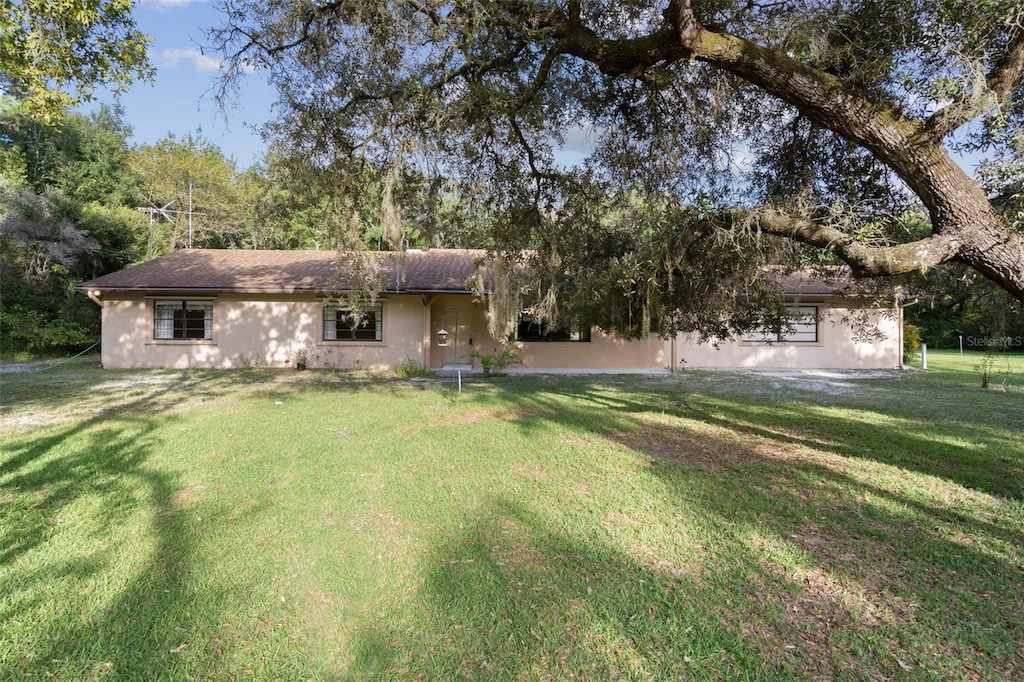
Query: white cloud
x=578, y=143
x=202, y=63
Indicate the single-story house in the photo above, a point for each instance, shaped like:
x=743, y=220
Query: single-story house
x=230, y=308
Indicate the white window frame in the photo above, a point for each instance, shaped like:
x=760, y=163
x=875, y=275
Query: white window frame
x=333, y=311
x=803, y=328
x=166, y=327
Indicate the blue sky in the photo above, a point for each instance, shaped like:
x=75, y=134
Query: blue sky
x=180, y=99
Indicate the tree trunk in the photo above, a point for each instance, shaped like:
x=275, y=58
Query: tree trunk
x=965, y=227
x=994, y=250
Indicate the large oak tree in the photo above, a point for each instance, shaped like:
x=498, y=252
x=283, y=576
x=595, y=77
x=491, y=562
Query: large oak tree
x=823, y=122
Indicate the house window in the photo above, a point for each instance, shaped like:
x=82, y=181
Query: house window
x=342, y=324
x=802, y=327
x=183, y=320
x=530, y=328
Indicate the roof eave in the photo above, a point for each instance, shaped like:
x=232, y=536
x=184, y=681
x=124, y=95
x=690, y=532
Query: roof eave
x=84, y=288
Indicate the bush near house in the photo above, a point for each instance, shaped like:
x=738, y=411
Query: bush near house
x=496, y=362
x=911, y=342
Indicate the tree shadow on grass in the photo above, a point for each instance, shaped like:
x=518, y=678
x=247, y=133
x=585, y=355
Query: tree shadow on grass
x=917, y=444
x=851, y=565
x=856, y=557
x=97, y=553
x=925, y=586
x=975, y=452
x=511, y=596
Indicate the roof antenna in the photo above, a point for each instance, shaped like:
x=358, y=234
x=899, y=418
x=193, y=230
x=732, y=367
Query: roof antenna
x=152, y=210
x=191, y=184
x=167, y=214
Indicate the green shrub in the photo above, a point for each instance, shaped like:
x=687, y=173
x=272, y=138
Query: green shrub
x=986, y=368
x=31, y=331
x=410, y=369
x=495, y=362
x=911, y=342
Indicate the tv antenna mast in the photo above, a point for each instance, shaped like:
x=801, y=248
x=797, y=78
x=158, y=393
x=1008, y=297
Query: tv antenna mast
x=166, y=213
x=152, y=210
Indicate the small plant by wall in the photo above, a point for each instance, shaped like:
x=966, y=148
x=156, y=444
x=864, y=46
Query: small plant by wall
x=246, y=361
x=495, y=362
x=410, y=369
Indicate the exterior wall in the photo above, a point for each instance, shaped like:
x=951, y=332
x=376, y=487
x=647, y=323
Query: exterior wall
x=602, y=352
x=268, y=331
x=836, y=347
x=401, y=339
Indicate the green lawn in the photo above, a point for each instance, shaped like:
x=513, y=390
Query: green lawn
x=308, y=525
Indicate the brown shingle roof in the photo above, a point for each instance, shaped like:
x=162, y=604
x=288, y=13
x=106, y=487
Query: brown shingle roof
x=811, y=283
x=322, y=272
x=217, y=270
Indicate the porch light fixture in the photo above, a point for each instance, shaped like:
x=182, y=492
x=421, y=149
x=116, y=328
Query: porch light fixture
x=442, y=337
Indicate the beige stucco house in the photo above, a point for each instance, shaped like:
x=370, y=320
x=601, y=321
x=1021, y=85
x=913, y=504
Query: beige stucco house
x=231, y=308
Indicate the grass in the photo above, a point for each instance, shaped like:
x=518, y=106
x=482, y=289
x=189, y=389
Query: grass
x=317, y=525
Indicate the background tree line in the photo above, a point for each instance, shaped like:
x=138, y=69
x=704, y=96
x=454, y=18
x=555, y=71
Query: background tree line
x=848, y=111
x=70, y=195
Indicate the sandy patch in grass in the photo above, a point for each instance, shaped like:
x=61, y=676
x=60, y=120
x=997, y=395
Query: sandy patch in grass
x=773, y=382
x=25, y=420
x=530, y=471
x=186, y=496
x=515, y=549
x=712, y=449
x=20, y=367
x=152, y=392
x=465, y=418
x=377, y=520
